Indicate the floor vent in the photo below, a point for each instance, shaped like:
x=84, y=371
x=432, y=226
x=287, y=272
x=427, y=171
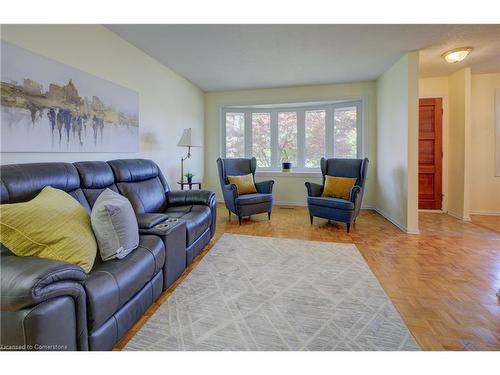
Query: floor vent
x=287, y=208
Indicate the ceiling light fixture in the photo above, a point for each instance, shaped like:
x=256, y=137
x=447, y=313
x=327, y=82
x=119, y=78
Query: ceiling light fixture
x=457, y=54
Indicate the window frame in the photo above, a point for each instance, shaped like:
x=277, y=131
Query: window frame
x=360, y=138
x=301, y=108
x=251, y=136
x=222, y=145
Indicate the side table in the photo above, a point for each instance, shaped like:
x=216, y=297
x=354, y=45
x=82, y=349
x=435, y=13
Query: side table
x=189, y=184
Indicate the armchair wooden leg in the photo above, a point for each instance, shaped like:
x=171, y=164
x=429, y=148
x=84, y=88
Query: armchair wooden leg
x=311, y=217
x=239, y=219
x=229, y=212
x=348, y=227
x=269, y=215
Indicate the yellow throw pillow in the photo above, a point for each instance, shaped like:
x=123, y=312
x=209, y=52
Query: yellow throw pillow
x=52, y=225
x=338, y=187
x=244, y=183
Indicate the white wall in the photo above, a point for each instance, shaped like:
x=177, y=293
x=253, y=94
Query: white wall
x=459, y=143
x=168, y=103
x=397, y=143
x=437, y=87
x=288, y=189
x=485, y=186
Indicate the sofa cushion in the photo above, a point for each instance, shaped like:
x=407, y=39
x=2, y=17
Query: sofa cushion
x=244, y=183
x=256, y=198
x=115, y=226
x=197, y=217
x=142, y=182
x=92, y=194
x=338, y=187
x=52, y=225
x=95, y=177
x=22, y=182
x=81, y=198
x=94, y=174
x=340, y=204
x=145, y=196
x=111, y=284
x=135, y=170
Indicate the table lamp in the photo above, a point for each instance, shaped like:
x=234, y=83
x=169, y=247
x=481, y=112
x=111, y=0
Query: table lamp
x=185, y=141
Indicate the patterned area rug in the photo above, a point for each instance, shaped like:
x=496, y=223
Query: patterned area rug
x=263, y=293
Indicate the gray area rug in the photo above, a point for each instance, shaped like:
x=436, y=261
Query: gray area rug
x=263, y=293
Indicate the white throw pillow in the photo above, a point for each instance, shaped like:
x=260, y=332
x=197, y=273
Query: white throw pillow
x=115, y=225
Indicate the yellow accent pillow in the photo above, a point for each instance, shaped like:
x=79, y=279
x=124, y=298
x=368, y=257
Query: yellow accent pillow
x=338, y=187
x=244, y=183
x=52, y=225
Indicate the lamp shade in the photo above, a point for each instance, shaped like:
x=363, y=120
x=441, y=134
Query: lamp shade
x=186, y=139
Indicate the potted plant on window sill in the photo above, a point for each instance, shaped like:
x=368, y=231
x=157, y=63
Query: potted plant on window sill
x=286, y=164
x=189, y=176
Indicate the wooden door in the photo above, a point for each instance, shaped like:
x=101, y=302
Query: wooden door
x=430, y=154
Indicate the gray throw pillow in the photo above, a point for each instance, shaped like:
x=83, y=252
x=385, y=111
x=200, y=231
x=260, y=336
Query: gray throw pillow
x=115, y=225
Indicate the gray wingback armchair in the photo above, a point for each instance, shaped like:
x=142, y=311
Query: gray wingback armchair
x=341, y=210
x=246, y=204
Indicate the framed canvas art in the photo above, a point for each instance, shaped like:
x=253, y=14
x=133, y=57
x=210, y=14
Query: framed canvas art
x=47, y=106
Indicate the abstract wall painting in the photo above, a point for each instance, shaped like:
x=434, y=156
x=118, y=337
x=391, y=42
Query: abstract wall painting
x=47, y=106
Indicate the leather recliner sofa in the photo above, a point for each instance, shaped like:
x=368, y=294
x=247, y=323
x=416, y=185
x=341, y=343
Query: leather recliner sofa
x=53, y=305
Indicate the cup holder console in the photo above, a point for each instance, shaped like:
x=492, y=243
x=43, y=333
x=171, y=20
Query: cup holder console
x=165, y=224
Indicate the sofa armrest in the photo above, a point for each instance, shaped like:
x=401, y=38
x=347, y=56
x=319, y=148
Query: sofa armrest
x=34, y=296
x=27, y=281
x=314, y=190
x=231, y=190
x=190, y=197
x=354, y=193
x=264, y=187
x=195, y=197
x=230, y=193
x=147, y=221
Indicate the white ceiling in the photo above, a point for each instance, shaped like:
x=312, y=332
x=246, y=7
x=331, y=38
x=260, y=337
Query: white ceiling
x=484, y=58
x=231, y=57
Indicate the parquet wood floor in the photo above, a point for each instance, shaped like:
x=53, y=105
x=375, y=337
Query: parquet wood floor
x=443, y=281
x=488, y=222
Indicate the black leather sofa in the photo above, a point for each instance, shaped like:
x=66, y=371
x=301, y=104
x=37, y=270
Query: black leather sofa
x=51, y=305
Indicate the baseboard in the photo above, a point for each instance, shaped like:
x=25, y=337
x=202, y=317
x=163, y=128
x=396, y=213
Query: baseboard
x=299, y=204
x=279, y=203
x=485, y=213
x=395, y=222
x=368, y=207
x=459, y=217
x=287, y=203
x=304, y=204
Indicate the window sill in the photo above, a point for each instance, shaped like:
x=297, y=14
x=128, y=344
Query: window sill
x=288, y=174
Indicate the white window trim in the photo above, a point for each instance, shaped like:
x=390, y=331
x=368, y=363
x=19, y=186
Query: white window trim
x=310, y=172
x=362, y=130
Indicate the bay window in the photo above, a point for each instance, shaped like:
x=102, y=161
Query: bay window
x=235, y=131
x=299, y=133
x=261, y=138
x=345, y=135
x=315, y=128
x=287, y=136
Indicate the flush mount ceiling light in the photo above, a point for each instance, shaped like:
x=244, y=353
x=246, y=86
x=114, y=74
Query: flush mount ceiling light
x=457, y=54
